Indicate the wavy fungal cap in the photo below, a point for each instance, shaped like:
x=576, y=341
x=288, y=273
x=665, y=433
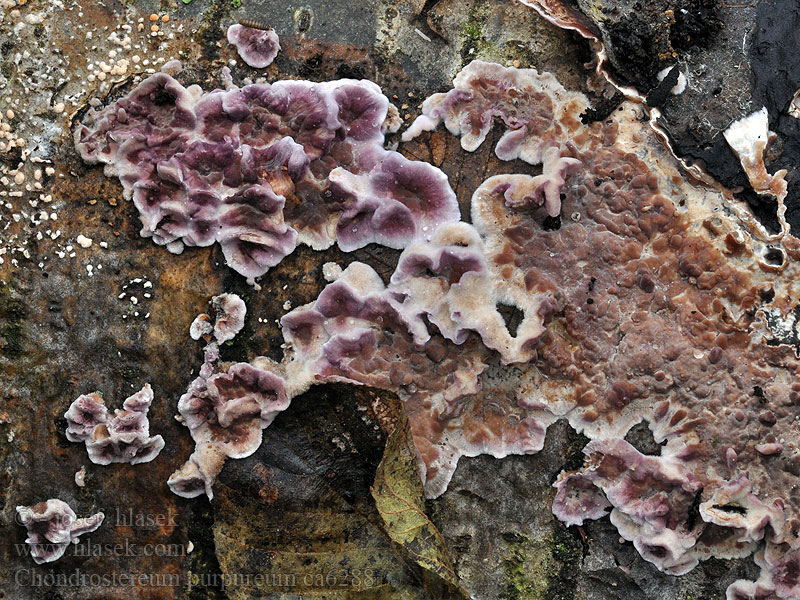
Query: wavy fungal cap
x=604, y=290
x=256, y=46
x=52, y=526
x=262, y=168
x=121, y=438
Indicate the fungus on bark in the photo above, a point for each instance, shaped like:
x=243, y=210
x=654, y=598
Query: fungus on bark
x=261, y=168
x=52, y=526
x=642, y=306
x=121, y=438
x=227, y=405
x=256, y=46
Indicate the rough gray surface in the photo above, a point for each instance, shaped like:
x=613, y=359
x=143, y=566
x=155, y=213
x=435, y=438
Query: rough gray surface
x=509, y=545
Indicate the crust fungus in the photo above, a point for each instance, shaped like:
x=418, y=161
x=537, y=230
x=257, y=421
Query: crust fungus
x=748, y=138
x=123, y=437
x=227, y=406
x=779, y=580
x=264, y=167
x=524, y=191
x=52, y=526
x=539, y=116
x=256, y=46
x=198, y=473
x=645, y=306
x=396, y=202
x=447, y=283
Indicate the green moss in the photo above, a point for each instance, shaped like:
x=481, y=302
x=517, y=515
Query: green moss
x=567, y=553
x=474, y=42
x=236, y=3
x=472, y=31
x=537, y=569
x=527, y=567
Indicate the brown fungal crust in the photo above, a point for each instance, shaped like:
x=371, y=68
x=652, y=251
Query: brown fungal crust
x=650, y=297
x=658, y=320
x=657, y=317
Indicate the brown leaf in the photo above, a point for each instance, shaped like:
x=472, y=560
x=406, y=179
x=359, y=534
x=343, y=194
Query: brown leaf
x=400, y=500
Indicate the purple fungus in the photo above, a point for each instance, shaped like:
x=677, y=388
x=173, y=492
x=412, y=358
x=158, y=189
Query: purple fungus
x=643, y=306
x=230, y=311
x=524, y=191
x=534, y=107
x=228, y=405
x=52, y=526
x=123, y=437
x=396, y=202
x=257, y=47
x=262, y=168
x=197, y=475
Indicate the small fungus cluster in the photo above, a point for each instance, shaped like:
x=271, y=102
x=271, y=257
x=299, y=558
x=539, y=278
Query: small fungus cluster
x=225, y=410
x=52, y=526
x=256, y=46
x=539, y=116
x=122, y=438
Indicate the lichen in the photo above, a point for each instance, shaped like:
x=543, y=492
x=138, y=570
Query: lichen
x=474, y=43
x=526, y=568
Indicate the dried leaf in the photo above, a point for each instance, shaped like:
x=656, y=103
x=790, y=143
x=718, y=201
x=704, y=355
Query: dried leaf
x=400, y=500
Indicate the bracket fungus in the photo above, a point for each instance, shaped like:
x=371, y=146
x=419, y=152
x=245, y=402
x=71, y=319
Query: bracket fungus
x=521, y=191
x=121, y=438
x=230, y=311
x=264, y=167
x=52, y=526
x=645, y=306
x=257, y=46
x=226, y=406
x=539, y=116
